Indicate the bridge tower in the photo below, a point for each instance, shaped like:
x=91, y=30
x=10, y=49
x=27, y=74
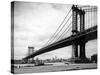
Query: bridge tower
x=81, y=42
x=30, y=51
x=74, y=31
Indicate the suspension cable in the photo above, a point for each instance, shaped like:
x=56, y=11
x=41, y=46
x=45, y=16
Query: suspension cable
x=61, y=28
x=58, y=28
x=67, y=29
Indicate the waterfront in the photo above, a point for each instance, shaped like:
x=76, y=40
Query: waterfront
x=54, y=67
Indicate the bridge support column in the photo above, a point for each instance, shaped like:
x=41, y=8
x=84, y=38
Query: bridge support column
x=82, y=51
x=82, y=56
x=74, y=50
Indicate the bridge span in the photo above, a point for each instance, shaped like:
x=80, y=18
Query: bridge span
x=88, y=35
x=80, y=35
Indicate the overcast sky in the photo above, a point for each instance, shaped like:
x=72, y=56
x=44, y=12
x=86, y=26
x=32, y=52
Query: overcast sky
x=35, y=23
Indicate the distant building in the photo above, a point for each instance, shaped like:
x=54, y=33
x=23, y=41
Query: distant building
x=94, y=58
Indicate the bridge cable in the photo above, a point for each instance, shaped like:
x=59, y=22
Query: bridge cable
x=58, y=28
x=62, y=28
x=89, y=15
x=67, y=29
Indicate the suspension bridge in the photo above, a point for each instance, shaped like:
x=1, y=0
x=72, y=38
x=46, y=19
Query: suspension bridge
x=78, y=27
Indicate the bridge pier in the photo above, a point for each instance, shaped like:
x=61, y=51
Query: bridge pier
x=82, y=50
x=74, y=50
x=81, y=57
